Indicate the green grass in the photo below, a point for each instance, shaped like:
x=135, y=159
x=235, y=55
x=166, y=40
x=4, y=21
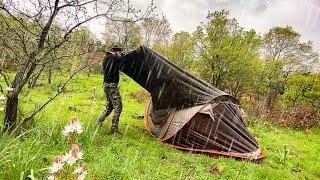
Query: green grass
x=290, y=154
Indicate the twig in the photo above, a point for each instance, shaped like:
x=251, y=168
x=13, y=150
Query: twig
x=17, y=20
x=1, y=89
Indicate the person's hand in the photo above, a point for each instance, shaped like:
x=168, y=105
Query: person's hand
x=138, y=49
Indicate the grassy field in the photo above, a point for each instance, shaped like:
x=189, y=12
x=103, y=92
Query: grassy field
x=290, y=154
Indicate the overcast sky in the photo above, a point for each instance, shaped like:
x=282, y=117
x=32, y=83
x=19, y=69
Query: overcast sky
x=261, y=15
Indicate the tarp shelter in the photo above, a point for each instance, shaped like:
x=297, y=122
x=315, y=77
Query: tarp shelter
x=186, y=112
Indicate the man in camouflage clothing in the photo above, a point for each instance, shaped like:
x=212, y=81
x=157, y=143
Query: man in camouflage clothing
x=111, y=66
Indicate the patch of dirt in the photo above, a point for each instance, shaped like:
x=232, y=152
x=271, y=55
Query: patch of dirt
x=214, y=170
x=73, y=108
x=296, y=169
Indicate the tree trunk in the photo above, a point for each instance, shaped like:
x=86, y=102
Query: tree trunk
x=22, y=76
x=213, y=79
x=217, y=82
x=236, y=90
x=89, y=70
x=269, y=100
x=49, y=76
x=11, y=113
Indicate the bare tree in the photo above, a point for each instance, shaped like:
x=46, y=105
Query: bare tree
x=36, y=29
x=152, y=30
x=156, y=31
x=283, y=44
x=125, y=33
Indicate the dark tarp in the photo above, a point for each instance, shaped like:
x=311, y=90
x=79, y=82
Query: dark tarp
x=187, y=112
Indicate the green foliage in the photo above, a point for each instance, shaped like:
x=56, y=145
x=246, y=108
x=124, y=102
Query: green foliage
x=303, y=89
x=180, y=51
x=229, y=53
x=284, y=55
x=273, y=76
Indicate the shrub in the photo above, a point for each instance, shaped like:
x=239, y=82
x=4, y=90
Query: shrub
x=299, y=116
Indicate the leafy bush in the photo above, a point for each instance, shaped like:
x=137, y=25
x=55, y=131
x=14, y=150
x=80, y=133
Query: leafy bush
x=303, y=89
x=302, y=102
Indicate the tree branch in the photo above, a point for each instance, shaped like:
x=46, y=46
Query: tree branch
x=47, y=27
x=1, y=89
x=17, y=20
x=59, y=91
x=76, y=5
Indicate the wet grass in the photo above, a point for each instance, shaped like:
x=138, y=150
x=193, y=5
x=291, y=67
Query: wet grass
x=290, y=154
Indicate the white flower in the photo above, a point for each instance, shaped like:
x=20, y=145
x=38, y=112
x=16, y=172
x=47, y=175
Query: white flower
x=10, y=89
x=81, y=171
x=74, y=126
x=77, y=126
x=69, y=159
x=73, y=155
x=82, y=176
x=79, y=155
x=51, y=178
x=57, y=165
x=55, y=168
x=78, y=170
x=68, y=129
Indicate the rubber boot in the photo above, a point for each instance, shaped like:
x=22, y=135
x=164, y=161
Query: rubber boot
x=115, y=130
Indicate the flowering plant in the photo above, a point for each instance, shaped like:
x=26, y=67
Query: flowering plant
x=73, y=127
x=73, y=155
x=72, y=130
x=62, y=165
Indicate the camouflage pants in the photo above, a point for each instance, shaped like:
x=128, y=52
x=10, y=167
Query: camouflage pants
x=114, y=103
